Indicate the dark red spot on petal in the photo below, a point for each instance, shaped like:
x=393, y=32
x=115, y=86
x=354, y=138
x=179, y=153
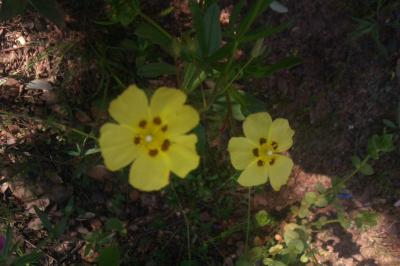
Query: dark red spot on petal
x=153, y=153
x=165, y=145
x=164, y=128
x=262, y=141
x=143, y=123
x=137, y=140
x=256, y=152
x=260, y=162
x=157, y=120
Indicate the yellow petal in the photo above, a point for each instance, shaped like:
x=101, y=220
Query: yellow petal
x=256, y=126
x=166, y=101
x=189, y=141
x=117, y=146
x=182, y=121
x=279, y=171
x=253, y=175
x=241, y=152
x=130, y=107
x=182, y=159
x=282, y=134
x=149, y=173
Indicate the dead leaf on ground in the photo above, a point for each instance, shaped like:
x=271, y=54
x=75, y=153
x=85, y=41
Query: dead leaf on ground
x=41, y=204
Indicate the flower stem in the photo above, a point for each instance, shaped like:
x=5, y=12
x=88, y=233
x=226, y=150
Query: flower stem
x=187, y=224
x=246, y=245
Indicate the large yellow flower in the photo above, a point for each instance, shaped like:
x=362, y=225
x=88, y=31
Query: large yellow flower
x=259, y=152
x=152, y=136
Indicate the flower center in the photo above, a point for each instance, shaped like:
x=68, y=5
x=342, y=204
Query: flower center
x=265, y=152
x=148, y=138
x=152, y=136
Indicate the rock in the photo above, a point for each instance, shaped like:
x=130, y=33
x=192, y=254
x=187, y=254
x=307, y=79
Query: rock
x=39, y=84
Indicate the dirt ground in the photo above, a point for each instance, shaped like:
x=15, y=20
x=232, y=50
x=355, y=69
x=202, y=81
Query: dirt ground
x=335, y=100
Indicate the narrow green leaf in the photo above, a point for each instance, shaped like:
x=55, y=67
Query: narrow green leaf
x=255, y=11
x=212, y=29
x=50, y=9
x=264, y=32
x=12, y=8
x=198, y=25
x=261, y=72
x=235, y=13
x=154, y=35
x=153, y=70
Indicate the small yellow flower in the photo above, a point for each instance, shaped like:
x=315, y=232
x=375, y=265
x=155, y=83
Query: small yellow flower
x=152, y=136
x=258, y=153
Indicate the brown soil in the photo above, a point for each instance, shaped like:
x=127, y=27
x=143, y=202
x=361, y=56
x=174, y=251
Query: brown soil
x=335, y=100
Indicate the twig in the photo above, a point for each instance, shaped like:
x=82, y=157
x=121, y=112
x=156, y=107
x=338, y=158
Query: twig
x=41, y=250
x=13, y=48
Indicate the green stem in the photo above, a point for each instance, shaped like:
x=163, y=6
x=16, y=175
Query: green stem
x=186, y=222
x=352, y=174
x=246, y=245
x=228, y=84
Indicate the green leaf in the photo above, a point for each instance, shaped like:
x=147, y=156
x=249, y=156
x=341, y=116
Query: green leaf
x=367, y=169
x=261, y=72
x=356, y=161
x=192, y=78
x=263, y=32
x=389, y=124
x=303, y=212
x=366, y=219
x=153, y=70
x=29, y=259
x=372, y=148
x=310, y=198
x=109, y=256
x=304, y=258
x=344, y=220
x=248, y=103
x=154, y=35
x=212, y=30
x=49, y=9
x=386, y=143
x=321, y=202
x=235, y=14
x=274, y=250
x=12, y=8
x=258, y=8
x=201, y=136
x=263, y=218
x=115, y=224
x=296, y=246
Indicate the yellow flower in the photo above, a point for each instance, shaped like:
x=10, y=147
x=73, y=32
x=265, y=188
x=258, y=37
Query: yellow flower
x=152, y=136
x=258, y=153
